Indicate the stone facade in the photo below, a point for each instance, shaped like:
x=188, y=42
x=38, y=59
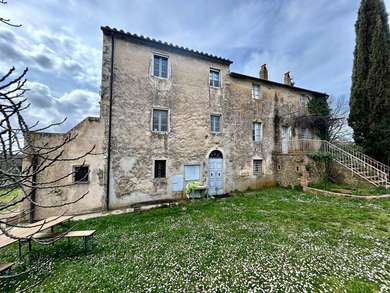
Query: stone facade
x=124, y=133
x=88, y=133
x=190, y=100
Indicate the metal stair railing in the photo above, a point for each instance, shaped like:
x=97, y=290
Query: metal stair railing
x=360, y=164
x=365, y=158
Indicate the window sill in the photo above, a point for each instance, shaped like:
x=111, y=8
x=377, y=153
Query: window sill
x=160, y=132
x=214, y=87
x=81, y=183
x=216, y=133
x=161, y=78
x=257, y=175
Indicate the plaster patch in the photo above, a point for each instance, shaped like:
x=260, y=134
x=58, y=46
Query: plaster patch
x=127, y=163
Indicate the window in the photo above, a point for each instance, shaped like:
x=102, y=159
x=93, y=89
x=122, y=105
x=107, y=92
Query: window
x=257, y=167
x=215, y=123
x=160, y=168
x=81, y=174
x=160, y=120
x=256, y=91
x=191, y=172
x=305, y=133
x=302, y=101
x=257, y=131
x=214, y=78
x=160, y=66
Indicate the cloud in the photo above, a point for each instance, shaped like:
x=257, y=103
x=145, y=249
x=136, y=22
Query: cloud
x=63, y=55
x=61, y=42
x=47, y=108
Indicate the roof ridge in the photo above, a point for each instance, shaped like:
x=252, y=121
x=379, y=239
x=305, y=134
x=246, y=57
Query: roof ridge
x=107, y=29
x=240, y=75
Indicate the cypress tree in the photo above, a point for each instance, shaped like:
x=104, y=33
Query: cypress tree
x=370, y=93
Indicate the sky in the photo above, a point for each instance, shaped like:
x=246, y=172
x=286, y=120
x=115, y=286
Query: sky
x=61, y=43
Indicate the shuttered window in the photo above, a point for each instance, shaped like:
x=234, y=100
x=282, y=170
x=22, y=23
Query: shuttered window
x=215, y=121
x=257, y=167
x=214, y=78
x=257, y=132
x=160, y=66
x=160, y=120
x=256, y=91
x=192, y=172
x=303, y=101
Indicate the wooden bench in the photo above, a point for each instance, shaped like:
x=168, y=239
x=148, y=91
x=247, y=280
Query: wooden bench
x=86, y=234
x=4, y=267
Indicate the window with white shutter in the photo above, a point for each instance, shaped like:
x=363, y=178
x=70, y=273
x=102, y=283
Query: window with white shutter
x=214, y=78
x=257, y=132
x=215, y=121
x=160, y=120
x=160, y=66
x=256, y=91
x=191, y=172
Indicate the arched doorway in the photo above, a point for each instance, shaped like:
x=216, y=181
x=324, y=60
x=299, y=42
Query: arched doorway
x=216, y=179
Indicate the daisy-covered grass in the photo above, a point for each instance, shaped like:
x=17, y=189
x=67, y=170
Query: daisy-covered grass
x=273, y=240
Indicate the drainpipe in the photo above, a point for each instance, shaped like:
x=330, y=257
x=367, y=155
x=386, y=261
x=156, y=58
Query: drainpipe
x=34, y=163
x=109, y=125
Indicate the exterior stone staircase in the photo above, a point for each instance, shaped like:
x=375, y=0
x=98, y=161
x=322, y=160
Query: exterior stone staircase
x=371, y=170
x=367, y=168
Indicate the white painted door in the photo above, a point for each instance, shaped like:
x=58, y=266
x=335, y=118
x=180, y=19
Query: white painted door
x=285, y=139
x=215, y=176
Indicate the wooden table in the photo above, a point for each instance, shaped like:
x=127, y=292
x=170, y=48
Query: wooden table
x=26, y=232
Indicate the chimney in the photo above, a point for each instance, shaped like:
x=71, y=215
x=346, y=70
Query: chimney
x=264, y=72
x=287, y=79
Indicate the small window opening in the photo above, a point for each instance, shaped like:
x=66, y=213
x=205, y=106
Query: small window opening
x=81, y=174
x=160, y=168
x=257, y=167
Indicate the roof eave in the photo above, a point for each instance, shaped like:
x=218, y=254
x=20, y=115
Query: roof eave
x=239, y=75
x=163, y=45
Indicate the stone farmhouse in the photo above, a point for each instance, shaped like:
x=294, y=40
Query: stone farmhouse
x=170, y=115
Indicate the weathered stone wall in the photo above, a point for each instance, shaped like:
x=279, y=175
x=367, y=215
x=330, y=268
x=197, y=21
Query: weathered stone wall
x=290, y=170
x=190, y=101
x=89, y=133
x=299, y=169
x=343, y=175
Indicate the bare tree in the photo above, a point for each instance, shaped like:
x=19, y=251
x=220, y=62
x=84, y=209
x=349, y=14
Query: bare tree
x=6, y=20
x=339, y=131
x=19, y=142
x=334, y=124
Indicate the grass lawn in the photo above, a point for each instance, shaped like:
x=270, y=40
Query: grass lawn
x=8, y=195
x=274, y=240
x=361, y=189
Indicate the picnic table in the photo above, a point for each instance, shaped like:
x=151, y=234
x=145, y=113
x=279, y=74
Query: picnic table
x=26, y=232
x=38, y=230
